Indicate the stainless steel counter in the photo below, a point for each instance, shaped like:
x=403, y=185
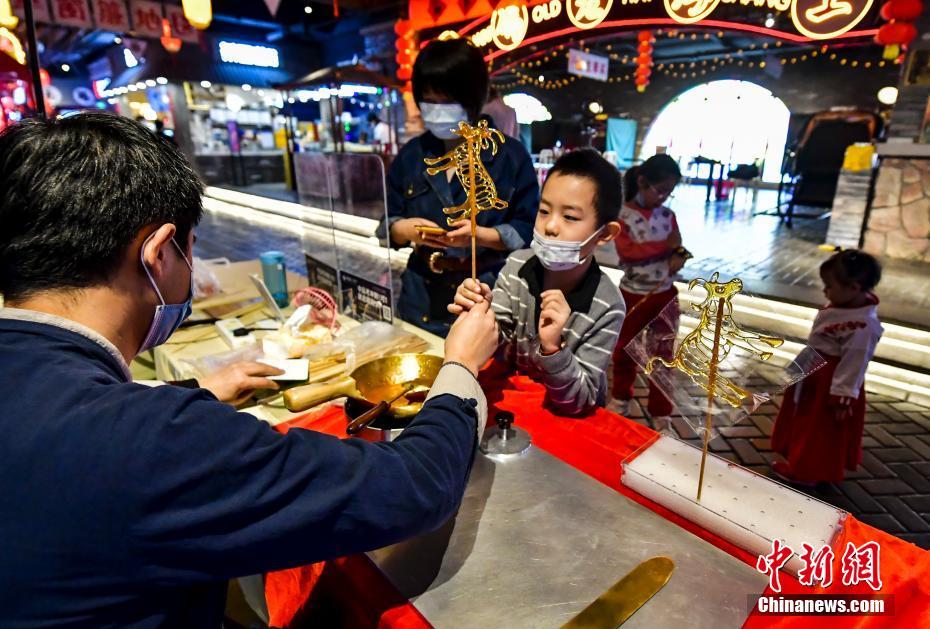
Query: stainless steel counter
x=535, y=541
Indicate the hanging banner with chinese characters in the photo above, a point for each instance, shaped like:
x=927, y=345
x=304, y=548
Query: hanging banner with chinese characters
x=71, y=13
x=588, y=65
x=40, y=12
x=111, y=15
x=181, y=28
x=142, y=18
x=146, y=18
x=509, y=23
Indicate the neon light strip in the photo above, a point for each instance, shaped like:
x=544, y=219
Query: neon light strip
x=735, y=26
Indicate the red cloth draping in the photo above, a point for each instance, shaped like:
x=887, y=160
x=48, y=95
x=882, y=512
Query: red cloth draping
x=596, y=445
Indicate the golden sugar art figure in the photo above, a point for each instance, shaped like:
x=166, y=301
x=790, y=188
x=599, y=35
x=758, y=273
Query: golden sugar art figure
x=474, y=177
x=710, y=342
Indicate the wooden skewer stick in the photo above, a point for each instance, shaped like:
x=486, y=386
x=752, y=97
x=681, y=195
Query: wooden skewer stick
x=474, y=214
x=711, y=385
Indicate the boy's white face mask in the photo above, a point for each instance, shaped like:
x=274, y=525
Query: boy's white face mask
x=560, y=255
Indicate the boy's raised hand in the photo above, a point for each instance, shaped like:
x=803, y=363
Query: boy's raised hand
x=468, y=294
x=553, y=315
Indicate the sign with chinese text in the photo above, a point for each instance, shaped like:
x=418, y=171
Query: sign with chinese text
x=507, y=24
x=180, y=27
x=111, y=15
x=146, y=18
x=588, y=65
x=71, y=13
x=40, y=12
x=363, y=300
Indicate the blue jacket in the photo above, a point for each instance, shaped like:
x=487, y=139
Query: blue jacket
x=413, y=193
x=130, y=506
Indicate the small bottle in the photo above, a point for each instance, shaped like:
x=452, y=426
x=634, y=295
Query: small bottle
x=274, y=275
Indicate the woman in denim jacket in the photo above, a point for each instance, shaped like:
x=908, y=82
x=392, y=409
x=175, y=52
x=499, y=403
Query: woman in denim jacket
x=450, y=83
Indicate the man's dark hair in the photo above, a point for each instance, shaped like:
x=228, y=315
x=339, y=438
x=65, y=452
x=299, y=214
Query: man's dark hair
x=373, y=118
x=588, y=163
x=852, y=266
x=76, y=191
x=453, y=68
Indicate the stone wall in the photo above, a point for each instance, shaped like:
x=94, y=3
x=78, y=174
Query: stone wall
x=899, y=222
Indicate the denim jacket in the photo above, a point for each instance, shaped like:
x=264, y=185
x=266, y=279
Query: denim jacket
x=413, y=193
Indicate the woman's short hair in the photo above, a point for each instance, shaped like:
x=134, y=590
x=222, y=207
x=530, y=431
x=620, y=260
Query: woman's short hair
x=453, y=68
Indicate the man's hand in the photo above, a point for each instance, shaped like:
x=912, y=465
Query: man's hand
x=472, y=340
x=469, y=294
x=842, y=407
x=553, y=315
x=235, y=383
x=405, y=232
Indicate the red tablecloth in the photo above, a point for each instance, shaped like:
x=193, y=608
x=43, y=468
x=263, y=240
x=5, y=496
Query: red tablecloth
x=595, y=445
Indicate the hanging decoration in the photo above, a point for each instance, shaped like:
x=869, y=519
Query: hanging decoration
x=168, y=41
x=198, y=12
x=10, y=44
x=643, y=61
x=406, y=51
x=899, y=31
x=7, y=19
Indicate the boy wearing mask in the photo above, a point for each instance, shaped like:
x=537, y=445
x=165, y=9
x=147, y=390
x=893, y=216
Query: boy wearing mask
x=558, y=314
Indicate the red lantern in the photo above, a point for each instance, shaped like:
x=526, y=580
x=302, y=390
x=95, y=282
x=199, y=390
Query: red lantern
x=901, y=33
x=903, y=10
x=170, y=43
x=401, y=27
x=644, y=48
x=44, y=77
x=403, y=58
x=645, y=36
x=643, y=71
x=644, y=60
x=404, y=73
x=642, y=80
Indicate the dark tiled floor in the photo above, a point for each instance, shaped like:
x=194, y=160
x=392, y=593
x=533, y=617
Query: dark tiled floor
x=776, y=261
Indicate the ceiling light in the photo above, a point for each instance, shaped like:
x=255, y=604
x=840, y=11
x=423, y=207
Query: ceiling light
x=888, y=95
x=161, y=80
x=150, y=83
x=65, y=67
x=769, y=21
x=246, y=87
x=117, y=40
x=308, y=10
x=206, y=85
x=541, y=78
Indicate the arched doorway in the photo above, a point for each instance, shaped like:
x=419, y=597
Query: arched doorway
x=735, y=122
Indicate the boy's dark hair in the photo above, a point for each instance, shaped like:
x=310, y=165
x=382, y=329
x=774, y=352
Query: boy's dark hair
x=608, y=184
x=854, y=266
x=453, y=68
x=76, y=191
x=656, y=169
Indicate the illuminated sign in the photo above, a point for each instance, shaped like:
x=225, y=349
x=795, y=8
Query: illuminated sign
x=508, y=25
x=588, y=65
x=822, y=19
x=249, y=54
x=588, y=13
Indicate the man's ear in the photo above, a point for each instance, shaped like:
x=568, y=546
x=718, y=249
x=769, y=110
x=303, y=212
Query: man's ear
x=157, y=248
x=610, y=232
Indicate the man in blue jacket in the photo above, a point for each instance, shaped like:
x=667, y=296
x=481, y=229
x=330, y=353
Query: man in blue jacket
x=131, y=506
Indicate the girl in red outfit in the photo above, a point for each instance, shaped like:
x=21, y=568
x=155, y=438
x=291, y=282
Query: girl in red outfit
x=819, y=426
x=649, y=246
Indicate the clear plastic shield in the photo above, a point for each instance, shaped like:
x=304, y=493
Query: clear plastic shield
x=318, y=241
x=363, y=259
x=718, y=373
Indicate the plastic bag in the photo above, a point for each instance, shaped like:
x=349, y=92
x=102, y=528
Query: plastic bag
x=206, y=283
x=675, y=354
x=207, y=365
